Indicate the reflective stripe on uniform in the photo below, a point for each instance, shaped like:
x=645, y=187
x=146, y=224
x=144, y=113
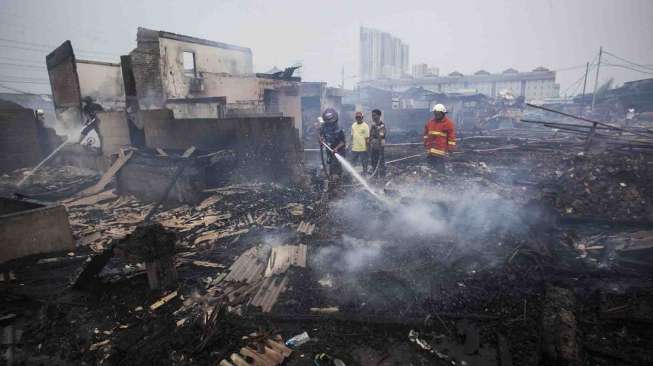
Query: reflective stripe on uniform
x=452, y=142
x=437, y=133
x=436, y=152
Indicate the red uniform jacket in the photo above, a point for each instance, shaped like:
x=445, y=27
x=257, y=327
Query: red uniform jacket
x=439, y=136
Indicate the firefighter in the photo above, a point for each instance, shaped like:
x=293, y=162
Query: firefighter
x=377, y=143
x=439, y=138
x=360, y=135
x=334, y=137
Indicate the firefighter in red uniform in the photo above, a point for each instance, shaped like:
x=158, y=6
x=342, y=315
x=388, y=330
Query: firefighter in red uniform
x=439, y=138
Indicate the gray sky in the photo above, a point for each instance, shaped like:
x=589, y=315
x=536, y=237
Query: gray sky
x=460, y=35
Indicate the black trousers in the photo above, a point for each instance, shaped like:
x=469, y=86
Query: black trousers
x=361, y=156
x=378, y=158
x=436, y=162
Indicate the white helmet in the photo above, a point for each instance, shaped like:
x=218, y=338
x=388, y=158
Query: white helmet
x=440, y=108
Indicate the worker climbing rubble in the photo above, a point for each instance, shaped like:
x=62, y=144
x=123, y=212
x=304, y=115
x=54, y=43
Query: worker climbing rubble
x=360, y=135
x=333, y=138
x=439, y=138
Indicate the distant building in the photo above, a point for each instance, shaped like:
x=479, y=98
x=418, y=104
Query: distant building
x=533, y=85
x=382, y=55
x=421, y=70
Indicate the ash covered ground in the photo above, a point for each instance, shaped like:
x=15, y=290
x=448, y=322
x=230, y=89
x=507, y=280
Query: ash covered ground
x=516, y=257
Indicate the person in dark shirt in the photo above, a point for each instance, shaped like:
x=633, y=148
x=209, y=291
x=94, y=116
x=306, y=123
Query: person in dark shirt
x=334, y=137
x=377, y=144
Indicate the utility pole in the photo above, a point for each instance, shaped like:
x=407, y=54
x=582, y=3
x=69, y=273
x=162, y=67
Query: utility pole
x=342, y=84
x=582, y=100
x=596, y=82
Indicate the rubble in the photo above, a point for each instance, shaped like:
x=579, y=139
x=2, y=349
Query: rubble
x=200, y=225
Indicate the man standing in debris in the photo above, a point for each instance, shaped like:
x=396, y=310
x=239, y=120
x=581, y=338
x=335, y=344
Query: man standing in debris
x=332, y=136
x=377, y=144
x=439, y=138
x=360, y=135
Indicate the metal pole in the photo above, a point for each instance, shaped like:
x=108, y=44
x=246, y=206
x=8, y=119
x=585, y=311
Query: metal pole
x=596, y=82
x=582, y=100
x=587, y=69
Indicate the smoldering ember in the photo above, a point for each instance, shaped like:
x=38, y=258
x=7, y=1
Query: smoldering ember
x=172, y=206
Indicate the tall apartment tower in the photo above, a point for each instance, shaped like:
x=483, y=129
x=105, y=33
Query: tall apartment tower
x=382, y=56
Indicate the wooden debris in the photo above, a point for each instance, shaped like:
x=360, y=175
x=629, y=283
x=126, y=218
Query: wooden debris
x=106, y=178
x=267, y=353
x=164, y=300
x=188, y=152
x=327, y=310
x=210, y=201
x=98, y=345
x=215, y=235
x=207, y=264
x=296, y=209
x=161, y=152
x=284, y=256
x=247, y=268
x=306, y=228
x=269, y=292
x=93, y=199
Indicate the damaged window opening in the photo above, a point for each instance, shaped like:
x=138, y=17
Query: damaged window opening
x=189, y=64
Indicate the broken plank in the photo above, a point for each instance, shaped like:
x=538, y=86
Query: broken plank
x=188, y=152
x=259, y=359
x=279, y=347
x=207, y=264
x=93, y=199
x=164, y=300
x=238, y=360
x=97, y=345
x=106, y=178
x=161, y=151
x=213, y=235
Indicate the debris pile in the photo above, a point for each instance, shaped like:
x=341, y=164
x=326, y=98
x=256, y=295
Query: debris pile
x=48, y=183
x=616, y=187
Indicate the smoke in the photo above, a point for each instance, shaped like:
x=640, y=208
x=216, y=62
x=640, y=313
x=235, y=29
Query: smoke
x=389, y=256
x=419, y=220
x=69, y=124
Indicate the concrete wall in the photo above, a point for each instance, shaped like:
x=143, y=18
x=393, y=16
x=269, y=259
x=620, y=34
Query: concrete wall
x=102, y=81
x=267, y=147
x=32, y=230
x=220, y=71
x=196, y=110
x=113, y=131
x=209, y=60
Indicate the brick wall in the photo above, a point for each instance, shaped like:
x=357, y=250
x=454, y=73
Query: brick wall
x=145, y=64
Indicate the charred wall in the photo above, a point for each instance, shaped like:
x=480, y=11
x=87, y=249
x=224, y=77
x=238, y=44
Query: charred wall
x=64, y=82
x=19, y=141
x=266, y=147
x=146, y=67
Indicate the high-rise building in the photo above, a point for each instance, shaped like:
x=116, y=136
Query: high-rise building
x=382, y=56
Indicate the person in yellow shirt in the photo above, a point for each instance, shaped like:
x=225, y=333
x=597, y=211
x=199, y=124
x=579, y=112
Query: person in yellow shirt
x=360, y=136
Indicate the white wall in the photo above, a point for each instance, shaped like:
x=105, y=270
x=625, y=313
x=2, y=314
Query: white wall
x=103, y=82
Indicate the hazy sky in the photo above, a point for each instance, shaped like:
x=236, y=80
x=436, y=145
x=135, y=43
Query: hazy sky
x=460, y=35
